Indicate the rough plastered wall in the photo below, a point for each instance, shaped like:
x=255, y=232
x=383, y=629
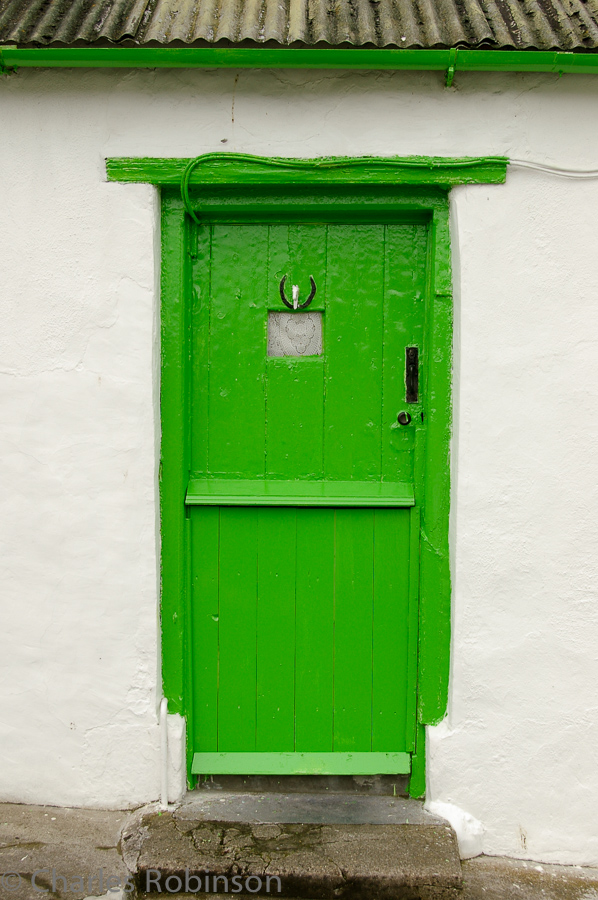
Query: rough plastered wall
x=79, y=649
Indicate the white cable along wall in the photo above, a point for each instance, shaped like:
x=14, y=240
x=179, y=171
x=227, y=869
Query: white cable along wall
x=559, y=171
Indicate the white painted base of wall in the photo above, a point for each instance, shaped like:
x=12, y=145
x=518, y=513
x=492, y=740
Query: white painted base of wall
x=80, y=425
x=177, y=768
x=469, y=831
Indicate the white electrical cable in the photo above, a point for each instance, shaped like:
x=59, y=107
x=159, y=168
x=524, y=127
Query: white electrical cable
x=554, y=170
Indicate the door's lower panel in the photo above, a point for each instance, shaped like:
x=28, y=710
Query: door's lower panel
x=301, y=764
x=304, y=639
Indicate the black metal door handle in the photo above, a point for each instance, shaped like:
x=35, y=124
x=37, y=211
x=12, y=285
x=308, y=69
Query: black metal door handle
x=411, y=374
x=403, y=418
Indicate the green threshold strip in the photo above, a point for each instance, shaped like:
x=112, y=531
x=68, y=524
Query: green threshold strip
x=301, y=763
x=222, y=492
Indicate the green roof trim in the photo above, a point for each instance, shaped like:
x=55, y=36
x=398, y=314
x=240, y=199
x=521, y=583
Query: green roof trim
x=450, y=60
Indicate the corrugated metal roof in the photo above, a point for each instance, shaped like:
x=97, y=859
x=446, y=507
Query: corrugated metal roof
x=501, y=24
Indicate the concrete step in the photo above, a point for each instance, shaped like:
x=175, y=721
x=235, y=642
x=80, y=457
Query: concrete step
x=305, y=808
x=321, y=847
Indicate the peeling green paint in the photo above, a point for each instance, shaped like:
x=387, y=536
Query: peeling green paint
x=244, y=169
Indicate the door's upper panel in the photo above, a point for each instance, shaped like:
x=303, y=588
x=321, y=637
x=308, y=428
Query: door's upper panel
x=330, y=411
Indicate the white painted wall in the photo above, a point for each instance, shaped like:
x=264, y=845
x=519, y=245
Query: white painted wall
x=79, y=650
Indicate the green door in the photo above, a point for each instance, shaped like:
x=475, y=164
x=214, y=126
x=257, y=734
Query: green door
x=302, y=498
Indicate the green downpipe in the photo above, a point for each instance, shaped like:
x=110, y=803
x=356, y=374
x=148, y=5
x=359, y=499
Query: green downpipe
x=451, y=60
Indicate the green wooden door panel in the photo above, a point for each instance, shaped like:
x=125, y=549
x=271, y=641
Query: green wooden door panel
x=304, y=547
x=275, y=644
x=390, y=638
x=353, y=607
x=331, y=417
x=295, y=387
x=301, y=629
x=298, y=251
x=294, y=417
x=205, y=629
x=314, y=624
x=354, y=336
x=236, y=409
x=237, y=627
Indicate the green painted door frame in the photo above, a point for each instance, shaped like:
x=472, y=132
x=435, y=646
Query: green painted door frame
x=241, y=188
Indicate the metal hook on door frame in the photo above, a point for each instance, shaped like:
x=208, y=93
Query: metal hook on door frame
x=295, y=304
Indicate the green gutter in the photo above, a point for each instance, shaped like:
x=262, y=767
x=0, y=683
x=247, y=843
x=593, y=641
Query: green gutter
x=450, y=61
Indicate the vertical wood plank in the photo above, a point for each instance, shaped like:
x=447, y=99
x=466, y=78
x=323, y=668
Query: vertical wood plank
x=238, y=350
x=295, y=388
x=276, y=629
x=204, y=541
x=297, y=250
x=354, y=328
x=314, y=687
x=295, y=410
x=391, y=622
x=413, y=629
x=237, y=629
x=353, y=608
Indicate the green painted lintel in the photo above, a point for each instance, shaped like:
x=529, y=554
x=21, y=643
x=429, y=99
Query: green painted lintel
x=238, y=168
x=222, y=492
x=450, y=60
x=301, y=764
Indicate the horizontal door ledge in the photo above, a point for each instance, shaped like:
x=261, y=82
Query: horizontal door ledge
x=224, y=492
x=338, y=763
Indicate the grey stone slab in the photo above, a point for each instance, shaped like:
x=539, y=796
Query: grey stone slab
x=71, y=846
x=312, y=860
x=313, y=808
x=499, y=878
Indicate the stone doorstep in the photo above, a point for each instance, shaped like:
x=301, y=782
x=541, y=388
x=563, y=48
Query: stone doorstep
x=77, y=841
x=317, y=861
